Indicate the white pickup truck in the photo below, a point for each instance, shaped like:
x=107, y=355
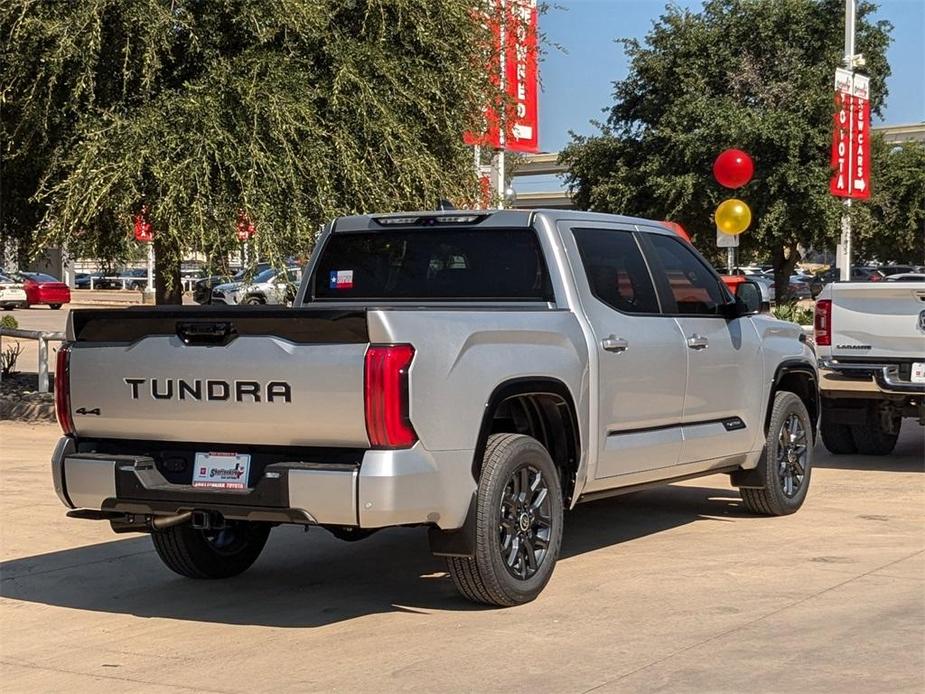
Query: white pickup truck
x=870, y=341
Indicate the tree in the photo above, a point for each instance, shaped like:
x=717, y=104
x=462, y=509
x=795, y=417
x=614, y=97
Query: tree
x=752, y=74
x=289, y=112
x=891, y=227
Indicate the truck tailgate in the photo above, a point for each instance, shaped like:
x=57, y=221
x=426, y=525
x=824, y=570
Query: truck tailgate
x=878, y=320
x=241, y=375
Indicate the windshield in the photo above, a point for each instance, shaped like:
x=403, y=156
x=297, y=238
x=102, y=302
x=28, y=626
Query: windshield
x=433, y=264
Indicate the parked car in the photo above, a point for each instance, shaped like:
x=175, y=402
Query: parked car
x=887, y=270
x=202, y=289
x=814, y=283
x=12, y=293
x=906, y=277
x=136, y=272
x=269, y=287
x=99, y=280
x=44, y=289
x=474, y=372
x=858, y=274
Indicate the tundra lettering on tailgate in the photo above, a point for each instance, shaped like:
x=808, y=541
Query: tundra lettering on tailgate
x=222, y=391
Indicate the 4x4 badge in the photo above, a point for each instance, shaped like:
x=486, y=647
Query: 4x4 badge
x=84, y=410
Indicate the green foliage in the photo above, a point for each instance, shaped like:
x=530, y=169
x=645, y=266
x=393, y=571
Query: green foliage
x=752, y=74
x=891, y=225
x=9, y=322
x=291, y=111
x=793, y=312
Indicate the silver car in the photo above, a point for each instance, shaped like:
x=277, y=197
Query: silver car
x=271, y=286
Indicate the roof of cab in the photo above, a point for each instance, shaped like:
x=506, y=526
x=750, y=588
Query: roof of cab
x=489, y=219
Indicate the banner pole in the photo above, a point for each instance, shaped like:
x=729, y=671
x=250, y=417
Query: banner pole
x=849, y=64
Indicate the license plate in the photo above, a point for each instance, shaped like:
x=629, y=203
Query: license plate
x=221, y=470
x=918, y=372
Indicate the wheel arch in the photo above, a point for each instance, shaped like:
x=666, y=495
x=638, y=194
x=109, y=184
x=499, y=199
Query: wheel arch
x=541, y=407
x=799, y=377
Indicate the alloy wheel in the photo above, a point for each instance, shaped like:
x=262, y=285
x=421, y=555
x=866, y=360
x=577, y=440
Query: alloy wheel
x=526, y=522
x=792, y=454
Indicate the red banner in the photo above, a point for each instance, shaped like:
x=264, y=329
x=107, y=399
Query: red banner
x=851, y=141
x=142, y=227
x=521, y=84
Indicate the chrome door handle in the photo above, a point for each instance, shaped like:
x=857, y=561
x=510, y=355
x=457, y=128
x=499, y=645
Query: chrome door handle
x=615, y=344
x=696, y=341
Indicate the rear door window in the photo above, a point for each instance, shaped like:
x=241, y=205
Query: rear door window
x=616, y=271
x=434, y=265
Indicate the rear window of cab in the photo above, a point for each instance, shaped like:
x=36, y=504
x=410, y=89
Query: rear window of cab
x=460, y=264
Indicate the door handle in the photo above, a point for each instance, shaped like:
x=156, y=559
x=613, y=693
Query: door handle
x=696, y=341
x=615, y=344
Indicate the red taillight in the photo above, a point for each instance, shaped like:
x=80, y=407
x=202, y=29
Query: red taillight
x=386, y=392
x=874, y=277
x=63, y=389
x=822, y=322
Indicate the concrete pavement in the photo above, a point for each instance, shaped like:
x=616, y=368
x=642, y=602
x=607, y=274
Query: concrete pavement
x=669, y=590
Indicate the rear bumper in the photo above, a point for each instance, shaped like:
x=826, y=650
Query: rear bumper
x=387, y=488
x=865, y=378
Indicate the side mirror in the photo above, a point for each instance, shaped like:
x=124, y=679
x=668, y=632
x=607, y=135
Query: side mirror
x=748, y=298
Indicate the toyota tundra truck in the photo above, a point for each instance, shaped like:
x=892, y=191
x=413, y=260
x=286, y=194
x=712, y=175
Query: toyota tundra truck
x=476, y=373
x=870, y=340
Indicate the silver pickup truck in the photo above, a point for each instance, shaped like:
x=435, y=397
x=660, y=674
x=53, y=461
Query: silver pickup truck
x=870, y=339
x=477, y=373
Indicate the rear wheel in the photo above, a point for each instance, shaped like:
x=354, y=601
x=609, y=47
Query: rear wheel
x=54, y=307
x=211, y=553
x=879, y=434
x=518, y=524
x=836, y=437
x=786, y=461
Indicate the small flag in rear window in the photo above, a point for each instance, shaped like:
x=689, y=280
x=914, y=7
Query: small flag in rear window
x=341, y=279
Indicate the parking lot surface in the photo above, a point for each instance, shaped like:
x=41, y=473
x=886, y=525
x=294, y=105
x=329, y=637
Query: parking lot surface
x=674, y=589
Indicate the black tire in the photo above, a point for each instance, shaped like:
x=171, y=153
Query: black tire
x=6, y=307
x=777, y=498
x=871, y=439
x=210, y=554
x=54, y=307
x=836, y=437
x=488, y=577
x=255, y=300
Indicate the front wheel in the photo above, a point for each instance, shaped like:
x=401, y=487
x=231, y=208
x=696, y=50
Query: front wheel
x=255, y=301
x=518, y=524
x=211, y=553
x=54, y=307
x=787, y=460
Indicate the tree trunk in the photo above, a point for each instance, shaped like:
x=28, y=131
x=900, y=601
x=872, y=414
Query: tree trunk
x=168, y=289
x=785, y=259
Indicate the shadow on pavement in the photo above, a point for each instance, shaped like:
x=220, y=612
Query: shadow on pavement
x=311, y=579
x=908, y=456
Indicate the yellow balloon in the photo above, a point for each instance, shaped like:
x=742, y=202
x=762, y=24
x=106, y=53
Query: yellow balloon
x=732, y=216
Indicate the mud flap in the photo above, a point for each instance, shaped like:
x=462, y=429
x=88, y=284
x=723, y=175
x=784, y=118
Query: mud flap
x=455, y=543
x=752, y=479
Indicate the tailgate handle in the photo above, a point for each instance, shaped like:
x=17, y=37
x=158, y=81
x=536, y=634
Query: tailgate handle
x=214, y=333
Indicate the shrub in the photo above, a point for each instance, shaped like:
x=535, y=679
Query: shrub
x=9, y=322
x=793, y=312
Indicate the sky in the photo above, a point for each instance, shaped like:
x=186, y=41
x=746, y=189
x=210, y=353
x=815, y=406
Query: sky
x=577, y=84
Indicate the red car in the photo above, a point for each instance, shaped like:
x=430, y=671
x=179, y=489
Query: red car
x=44, y=289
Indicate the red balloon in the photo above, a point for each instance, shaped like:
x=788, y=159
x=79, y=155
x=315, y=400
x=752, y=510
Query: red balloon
x=733, y=168
x=678, y=229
